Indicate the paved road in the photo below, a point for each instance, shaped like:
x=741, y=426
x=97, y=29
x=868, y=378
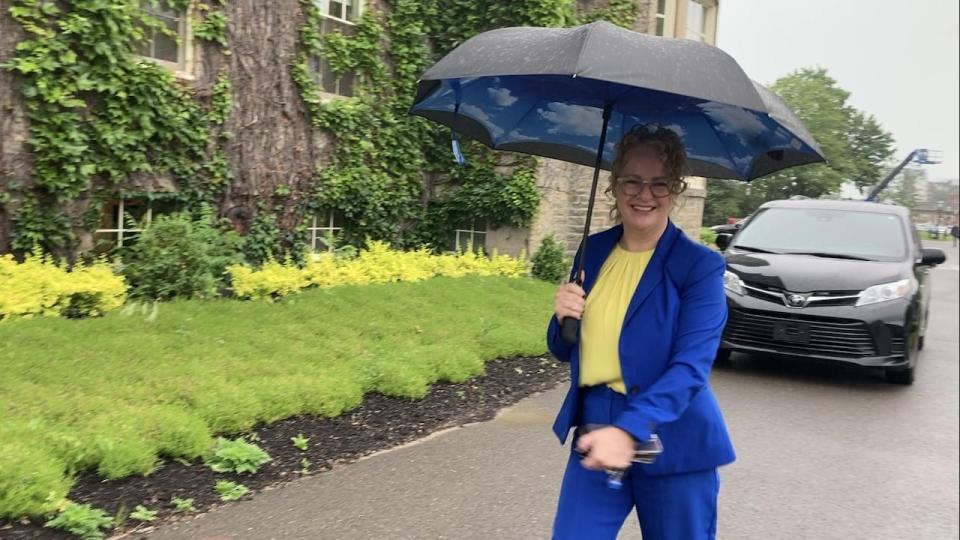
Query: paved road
x=824, y=453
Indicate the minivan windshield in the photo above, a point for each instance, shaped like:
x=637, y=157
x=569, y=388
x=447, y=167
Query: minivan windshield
x=825, y=233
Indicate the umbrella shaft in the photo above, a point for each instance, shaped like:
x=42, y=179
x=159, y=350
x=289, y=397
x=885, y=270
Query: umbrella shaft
x=571, y=327
x=593, y=191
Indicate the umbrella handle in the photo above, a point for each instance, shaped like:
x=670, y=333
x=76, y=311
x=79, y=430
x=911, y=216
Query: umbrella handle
x=569, y=330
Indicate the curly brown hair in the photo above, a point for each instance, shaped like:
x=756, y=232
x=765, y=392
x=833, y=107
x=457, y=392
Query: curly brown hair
x=669, y=148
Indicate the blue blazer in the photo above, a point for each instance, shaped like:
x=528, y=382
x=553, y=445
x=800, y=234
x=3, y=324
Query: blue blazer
x=668, y=342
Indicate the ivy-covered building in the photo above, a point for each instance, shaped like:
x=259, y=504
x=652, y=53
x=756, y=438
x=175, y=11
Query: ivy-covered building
x=289, y=118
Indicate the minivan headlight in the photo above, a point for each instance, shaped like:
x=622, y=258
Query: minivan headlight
x=885, y=292
x=733, y=283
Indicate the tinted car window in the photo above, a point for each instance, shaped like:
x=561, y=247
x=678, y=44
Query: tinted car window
x=841, y=232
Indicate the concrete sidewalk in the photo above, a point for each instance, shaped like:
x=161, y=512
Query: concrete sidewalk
x=493, y=480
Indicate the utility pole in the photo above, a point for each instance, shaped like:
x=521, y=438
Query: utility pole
x=921, y=155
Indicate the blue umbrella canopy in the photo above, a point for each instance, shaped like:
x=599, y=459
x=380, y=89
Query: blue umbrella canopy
x=543, y=91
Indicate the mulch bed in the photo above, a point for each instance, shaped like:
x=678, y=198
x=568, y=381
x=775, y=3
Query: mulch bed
x=380, y=422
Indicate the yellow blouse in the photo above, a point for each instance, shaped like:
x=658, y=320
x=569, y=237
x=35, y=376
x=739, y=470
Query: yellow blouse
x=603, y=317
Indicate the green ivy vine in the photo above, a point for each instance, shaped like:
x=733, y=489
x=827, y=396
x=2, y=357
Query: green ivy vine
x=209, y=24
x=392, y=175
x=98, y=114
x=620, y=12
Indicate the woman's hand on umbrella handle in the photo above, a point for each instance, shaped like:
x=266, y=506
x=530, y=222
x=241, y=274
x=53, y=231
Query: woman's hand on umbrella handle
x=568, y=305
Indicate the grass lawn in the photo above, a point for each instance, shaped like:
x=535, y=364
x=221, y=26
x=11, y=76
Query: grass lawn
x=115, y=393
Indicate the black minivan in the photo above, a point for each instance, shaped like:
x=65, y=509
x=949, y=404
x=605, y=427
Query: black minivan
x=833, y=280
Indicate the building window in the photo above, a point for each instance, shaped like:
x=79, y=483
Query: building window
x=696, y=21
x=660, y=18
x=336, y=16
x=343, y=10
x=325, y=226
x=470, y=236
x=122, y=219
x=167, y=48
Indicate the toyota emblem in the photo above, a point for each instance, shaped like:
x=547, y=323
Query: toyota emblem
x=795, y=300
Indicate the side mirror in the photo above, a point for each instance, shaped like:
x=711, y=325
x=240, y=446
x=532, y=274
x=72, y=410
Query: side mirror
x=931, y=257
x=723, y=241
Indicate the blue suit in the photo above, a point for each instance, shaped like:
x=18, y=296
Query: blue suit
x=668, y=341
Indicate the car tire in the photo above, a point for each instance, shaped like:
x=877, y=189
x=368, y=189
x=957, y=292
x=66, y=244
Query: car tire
x=900, y=376
x=722, y=358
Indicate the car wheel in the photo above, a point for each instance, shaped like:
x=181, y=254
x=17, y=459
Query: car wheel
x=900, y=376
x=722, y=358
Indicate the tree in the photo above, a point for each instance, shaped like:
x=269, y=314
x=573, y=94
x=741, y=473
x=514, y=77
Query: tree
x=904, y=190
x=940, y=192
x=854, y=143
x=725, y=199
x=821, y=105
x=870, y=148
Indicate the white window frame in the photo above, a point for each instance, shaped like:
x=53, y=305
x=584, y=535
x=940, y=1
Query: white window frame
x=669, y=18
x=701, y=34
x=183, y=67
x=471, y=238
x=120, y=227
x=319, y=228
x=324, y=8
x=708, y=33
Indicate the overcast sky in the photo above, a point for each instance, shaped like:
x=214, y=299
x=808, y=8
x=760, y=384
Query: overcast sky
x=898, y=59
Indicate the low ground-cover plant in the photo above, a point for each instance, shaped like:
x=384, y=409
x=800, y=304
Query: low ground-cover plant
x=38, y=286
x=230, y=491
x=375, y=264
x=300, y=442
x=236, y=456
x=142, y=513
x=82, y=520
x=218, y=367
x=182, y=505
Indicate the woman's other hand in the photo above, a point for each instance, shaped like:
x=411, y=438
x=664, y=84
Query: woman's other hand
x=569, y=300
x=606, y=448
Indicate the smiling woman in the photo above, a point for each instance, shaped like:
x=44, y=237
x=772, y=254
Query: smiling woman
x=650, y=330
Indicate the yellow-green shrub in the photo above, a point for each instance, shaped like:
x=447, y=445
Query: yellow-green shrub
x=40, y=287
x=272, y=280
x=375, y=264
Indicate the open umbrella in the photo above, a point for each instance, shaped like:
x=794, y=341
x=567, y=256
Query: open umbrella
x=571, y=94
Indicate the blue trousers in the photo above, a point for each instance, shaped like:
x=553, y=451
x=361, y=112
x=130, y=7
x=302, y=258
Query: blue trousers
x=670, y=507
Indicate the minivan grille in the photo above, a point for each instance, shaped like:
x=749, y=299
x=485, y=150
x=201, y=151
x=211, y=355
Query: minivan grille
x=897, y=346
x=800, y=334
x=773, y=294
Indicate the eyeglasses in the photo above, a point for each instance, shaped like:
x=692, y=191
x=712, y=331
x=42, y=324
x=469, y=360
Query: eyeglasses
x=632, y=186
